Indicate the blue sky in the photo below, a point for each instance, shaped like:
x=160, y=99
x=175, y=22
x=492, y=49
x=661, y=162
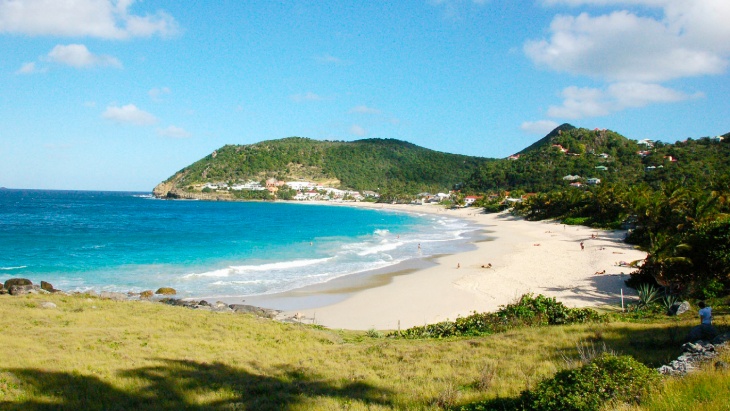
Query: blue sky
x=120, y=94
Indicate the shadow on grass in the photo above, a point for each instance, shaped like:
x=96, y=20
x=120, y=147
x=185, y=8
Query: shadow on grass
x=184, y=385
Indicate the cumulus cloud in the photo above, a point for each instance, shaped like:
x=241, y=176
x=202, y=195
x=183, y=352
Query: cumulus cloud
x=364, y=110
x=593, y=102
x=129, y=114
x=173, y=132
x=358, y=130
x=689, y=40
x=308, y=96
x=30, y=68
x=540, y=127
x=77, y=55
x=110, y=19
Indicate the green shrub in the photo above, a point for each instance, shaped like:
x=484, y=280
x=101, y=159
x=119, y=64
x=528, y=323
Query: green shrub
x=528, y=311
x=606, y=378
x=576, y=220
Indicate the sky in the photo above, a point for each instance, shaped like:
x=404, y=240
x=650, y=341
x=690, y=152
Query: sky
x=121, y=94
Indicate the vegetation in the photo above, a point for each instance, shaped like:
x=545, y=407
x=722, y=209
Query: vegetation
x=605, y=379
x=95, y=354
x=527, y=311
x=384, y=165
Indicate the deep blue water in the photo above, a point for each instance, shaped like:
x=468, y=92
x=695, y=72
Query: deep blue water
x=126, y=242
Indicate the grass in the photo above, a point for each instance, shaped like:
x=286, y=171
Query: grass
x=102, y=355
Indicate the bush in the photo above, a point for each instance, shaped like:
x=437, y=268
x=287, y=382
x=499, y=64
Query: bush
x=606, y=378
x=528, y=311
x=576, y=220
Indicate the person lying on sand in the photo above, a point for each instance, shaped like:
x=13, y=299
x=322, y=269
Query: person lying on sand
x=600, y=272
x=489, y=265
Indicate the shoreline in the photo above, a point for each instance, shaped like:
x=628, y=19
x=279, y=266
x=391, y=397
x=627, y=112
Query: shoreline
x=526, y=257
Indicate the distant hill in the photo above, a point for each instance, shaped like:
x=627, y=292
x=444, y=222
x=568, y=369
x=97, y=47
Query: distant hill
x=606, y=155
x=567, y=150
x=370, y=164
x=394, y=166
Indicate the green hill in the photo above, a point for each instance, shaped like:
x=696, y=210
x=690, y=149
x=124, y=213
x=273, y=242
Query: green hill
x=567, y=150
x=370, y=164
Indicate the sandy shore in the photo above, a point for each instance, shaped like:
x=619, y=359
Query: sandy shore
x=537, y=257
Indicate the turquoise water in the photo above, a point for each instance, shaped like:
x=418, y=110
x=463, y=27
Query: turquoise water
x=119, y=241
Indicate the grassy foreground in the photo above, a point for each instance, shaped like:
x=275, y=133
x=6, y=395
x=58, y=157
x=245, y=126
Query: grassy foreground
x=95, y=354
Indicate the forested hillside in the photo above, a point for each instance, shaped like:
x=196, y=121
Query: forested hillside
x=372, y=164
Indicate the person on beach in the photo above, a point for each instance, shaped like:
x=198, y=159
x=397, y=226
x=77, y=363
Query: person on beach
x=704, y=331
x=581, y=246
x=705, y=313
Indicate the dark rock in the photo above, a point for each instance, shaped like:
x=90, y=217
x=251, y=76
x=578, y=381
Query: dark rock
x=166, y=291
x=679, y=308
x=257, y=311
x=721, y=365
x=22, y=289
x=16, y=281
x=47, y=286
x=204, y=303
x=146, y=294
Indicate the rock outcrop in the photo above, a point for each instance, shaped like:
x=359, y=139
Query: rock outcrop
x=693, y=354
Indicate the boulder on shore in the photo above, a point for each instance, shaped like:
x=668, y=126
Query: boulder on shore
x=166, y=291
x=16, y=281
x=146, y=294
x=47, y=286
x=23, y=289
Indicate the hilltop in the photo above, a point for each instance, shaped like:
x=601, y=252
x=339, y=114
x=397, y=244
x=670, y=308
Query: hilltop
x=372, y=164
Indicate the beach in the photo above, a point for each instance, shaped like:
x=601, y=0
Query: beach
x=513, y=257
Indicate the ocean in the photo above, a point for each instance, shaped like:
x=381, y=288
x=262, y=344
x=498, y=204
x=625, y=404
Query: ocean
x=120, y=241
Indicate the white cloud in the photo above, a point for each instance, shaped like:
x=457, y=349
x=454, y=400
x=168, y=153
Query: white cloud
x=358, y=130
x=364, y=110
x=173, y=132
x=30, y=68
x=593, y=102
x=129, y=114
x=157, y=93
x=540, y=127
x=73, y=18
x=77, y=55
x=308, y=96
x=689, y=40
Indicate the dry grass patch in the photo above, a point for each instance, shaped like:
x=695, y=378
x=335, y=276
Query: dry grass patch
x=97, y=354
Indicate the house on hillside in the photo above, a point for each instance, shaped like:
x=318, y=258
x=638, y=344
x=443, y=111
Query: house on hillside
x=372, y=194
x=514, y=157
x=571, y=177
x=593, y=181
x=602, y=168
x=717, y=139
x=646, y=143
x=577, y=184
x=671, y=159
x=560, y=147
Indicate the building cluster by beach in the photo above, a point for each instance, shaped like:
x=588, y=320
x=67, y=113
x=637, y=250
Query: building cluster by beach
x=306, y=190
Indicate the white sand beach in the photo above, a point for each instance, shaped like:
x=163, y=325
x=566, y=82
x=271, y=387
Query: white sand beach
x=538, y=257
